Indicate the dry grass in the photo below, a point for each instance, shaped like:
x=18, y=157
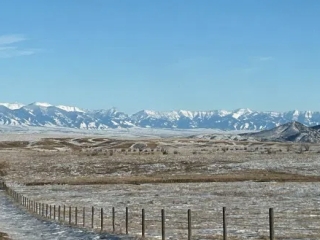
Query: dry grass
x=13, y=144
x=58, y=159
x=4, y=236
x=72, y=162
x=3, y=168
x=256, y=176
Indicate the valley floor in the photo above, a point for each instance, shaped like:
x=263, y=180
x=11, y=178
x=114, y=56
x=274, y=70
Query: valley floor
x=175, y=174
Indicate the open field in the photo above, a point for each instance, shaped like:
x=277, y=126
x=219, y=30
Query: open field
x=297, y=214
x=175, y=174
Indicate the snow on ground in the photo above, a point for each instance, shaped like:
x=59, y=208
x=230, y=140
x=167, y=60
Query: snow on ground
x=11, y=133
x=296, y=207
x=20, y=225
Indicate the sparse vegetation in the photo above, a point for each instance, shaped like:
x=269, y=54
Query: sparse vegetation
x=191, y=162
x=3, y=168
x=306, y=146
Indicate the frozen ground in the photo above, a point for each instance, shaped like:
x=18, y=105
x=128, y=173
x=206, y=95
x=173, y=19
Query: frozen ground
x=20, y=225
x=9, y=133
x=75, y=160
x=296, y=206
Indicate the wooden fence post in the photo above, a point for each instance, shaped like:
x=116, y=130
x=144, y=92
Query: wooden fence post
x=189, y=224
x=143, y=223
x=50, y=211
x=59, y=211
x=113, y=219
x=46, y=210
x=54, y=212
x=84, y=217
x=64, y=213
x=70, y=215
x=92, y=217
x=163, y=224
x=76, y=215
x=101, y=218
x=127, y=220
x=271, y=223
x=224, y=223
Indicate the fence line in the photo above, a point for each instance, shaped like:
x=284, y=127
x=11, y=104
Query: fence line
x=41, y=209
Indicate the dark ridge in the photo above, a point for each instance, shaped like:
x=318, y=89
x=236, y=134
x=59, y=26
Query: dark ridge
x=288, y=132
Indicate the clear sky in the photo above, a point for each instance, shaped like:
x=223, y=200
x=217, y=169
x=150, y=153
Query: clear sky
x=161, y=54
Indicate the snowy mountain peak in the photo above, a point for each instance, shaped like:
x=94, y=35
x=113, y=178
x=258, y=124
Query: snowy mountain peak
x=112, y=110
x=69, y=109
x=40, y=104
x=296, y=113
x=240, y=112
x=12, y=106
x=44, y=114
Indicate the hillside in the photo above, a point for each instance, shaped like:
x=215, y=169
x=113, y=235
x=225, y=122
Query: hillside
x=292, y=131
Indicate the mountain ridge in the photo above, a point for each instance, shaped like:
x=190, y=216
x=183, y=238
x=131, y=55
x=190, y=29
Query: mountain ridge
x=45, y=114
x=288, y=132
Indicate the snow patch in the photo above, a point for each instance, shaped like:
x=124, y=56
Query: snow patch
x=12, y=106
x=69, y=109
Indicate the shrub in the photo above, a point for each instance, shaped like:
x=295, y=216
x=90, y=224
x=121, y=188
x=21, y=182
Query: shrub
x=3, y=168
x=306, y=147
x=165, y=152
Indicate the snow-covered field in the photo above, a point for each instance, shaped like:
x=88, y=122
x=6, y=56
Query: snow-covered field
x=15, y=133
x=296, y=207
x=75, y=160
x=21, y=225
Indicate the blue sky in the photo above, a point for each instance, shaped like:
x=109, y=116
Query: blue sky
x=161, y=55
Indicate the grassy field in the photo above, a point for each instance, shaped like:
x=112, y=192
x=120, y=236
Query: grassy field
x=175, y=174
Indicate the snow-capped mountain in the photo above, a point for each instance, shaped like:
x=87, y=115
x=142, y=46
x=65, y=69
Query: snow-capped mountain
x=292, y=131
x=12, y=106
x=45, y=114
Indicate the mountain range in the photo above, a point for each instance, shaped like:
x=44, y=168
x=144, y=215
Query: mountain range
x=44, y=114
x=289, y=132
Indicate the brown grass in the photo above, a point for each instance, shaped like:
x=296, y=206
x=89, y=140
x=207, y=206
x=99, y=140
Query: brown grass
x=14, y=144
x=3, y=168
x=257, y=176
x=4, y=236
